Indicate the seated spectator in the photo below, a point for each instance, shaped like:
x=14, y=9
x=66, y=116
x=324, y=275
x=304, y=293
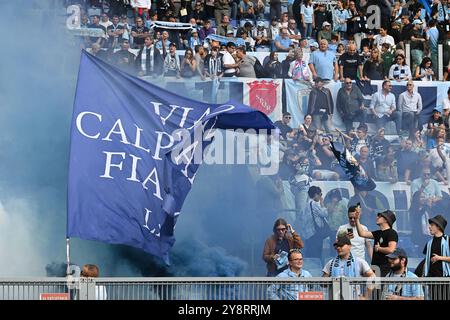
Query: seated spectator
x=273, y=68
x=224, y=27
x=246, y=10
x=407, y=162
x=290, y=291
x=434, y=124
x=283, y=125
x=359, y=244
x=97, y=51
x=400, y=71
x=366, y=161
x=206, y=30
x=284, y=238
x=283, y=42
x=247, y=27
x=398, y=261
x=424, y=71
x=374, y=68
x=418, y=143
x=298, y=69
x=274, y=29
x=163, y=44
x=188, y=67
x=199, y=13
x=350, y=104
x=247, y=64
x=260, y=35
x=194, y=39
x=294, y=34
x=326, y=33
x=384, y=108
x=387, y=167
x=369, y=41
x=214, y=64
x=249, y=42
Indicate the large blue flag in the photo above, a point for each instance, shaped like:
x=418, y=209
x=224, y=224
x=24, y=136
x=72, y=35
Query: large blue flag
x=126, y=184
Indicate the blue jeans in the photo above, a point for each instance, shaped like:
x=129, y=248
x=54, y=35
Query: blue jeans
x=308, y=31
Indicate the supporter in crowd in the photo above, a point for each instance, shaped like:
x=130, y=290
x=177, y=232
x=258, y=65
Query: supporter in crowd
x=398, y=261
x=283, y=42
x=274, y=29
x=246, y=63
x=320, y=106
x=284, y=239
x=430, y=187
x=321, y=15
x=360, y=246
x=298, y=69
x=387, y=55
x=340, y=15
x=387, y=167
x=139, y=32
x=366, y=161
x=149, y=61
x=221, y=9
x=337, y=210
x=374, y=68
x=260, y=34
x=325, y=33
x=115, y=33
x=378, y=144
x=163, y=44
x=283, y=125
x=424, y=71
x=213, y=65
x=407, y=162
x=290, y=291
x=188, y=67
x=200, y=55
x=350, y=63
x=224, y=26
x=385, y=239
x=435, y=123
x=350, y=104
x=294, y=33
x=400, y=71
x=206, y=30
x=384, y=108
x=92, y=271
x=286, y=63
x=307, y=17
x=323, y=63
x=418, y=40
x=273, y=68
x=410, y=106
x=96, y=25
x=123, y=58
x=383, y=37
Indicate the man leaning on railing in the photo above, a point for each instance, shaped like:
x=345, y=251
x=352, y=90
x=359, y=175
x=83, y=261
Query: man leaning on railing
x=290, y=291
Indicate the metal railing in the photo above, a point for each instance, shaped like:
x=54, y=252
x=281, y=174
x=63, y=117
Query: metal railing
x=224, y=288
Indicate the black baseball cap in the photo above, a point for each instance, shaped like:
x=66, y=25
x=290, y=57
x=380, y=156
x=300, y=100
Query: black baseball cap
x=398, y=253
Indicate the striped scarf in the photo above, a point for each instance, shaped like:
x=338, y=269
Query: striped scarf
x=444, y=252
x=300, y=71
x=350, y=267
x=144, y=59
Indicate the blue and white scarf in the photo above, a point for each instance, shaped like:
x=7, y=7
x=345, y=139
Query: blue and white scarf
x=444, y=252
x=350, y=267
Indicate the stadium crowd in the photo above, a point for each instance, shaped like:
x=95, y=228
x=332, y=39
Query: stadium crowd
x=324, y=41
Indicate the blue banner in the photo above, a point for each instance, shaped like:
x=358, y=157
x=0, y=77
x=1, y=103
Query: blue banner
x=124, y=185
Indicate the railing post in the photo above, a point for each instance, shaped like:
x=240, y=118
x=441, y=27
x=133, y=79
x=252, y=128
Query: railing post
x=336, y=288
x=408, y=55
x=440, y=62
x=346, y=293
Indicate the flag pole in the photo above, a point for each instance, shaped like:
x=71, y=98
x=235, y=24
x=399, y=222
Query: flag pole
x=68, y=256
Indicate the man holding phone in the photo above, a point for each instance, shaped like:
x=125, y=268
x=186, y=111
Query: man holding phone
x=359, y=244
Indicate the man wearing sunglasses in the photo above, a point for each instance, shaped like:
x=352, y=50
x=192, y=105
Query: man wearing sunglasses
x=283, y=124
x=428, y=186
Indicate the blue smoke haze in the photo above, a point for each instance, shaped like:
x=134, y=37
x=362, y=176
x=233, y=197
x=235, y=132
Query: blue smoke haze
x=225, y=220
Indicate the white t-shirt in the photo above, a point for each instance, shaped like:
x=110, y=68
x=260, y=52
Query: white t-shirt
x=228, y=59
x=358, y=243
x=307, y=13
x=379, y=40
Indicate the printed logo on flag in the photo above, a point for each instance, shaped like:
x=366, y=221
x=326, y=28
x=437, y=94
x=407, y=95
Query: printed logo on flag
x=263, y=96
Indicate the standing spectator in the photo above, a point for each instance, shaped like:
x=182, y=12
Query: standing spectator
x=163, y=44
x=374, y=68
x=141, y=8
x=221, y=9
x=224, y=27
x=400, y=71
x=350, y=104
x=370, y=204
x=200, y=55
x=284, y=239
x=424, y=71
x=317, y=213
x=105, y=23
x=345, y=264
x=437, y=256
x=432, y=35
x=123, y=58
x=139, y=32
x=398, y=262
x=387, y=55
x=206, y=30
x=383, y=107
x=383, y=37
x=275, y=9
x=298, y=69
x=286, y=63
x=229, y=63
x=199, y=13
x=149, y=61
x=419, y=212
x=418, y=41
x=295, y=270
x=385, y=239
x=115, y=33
x=194, y=39
x=323, y=63
x=410, y=106
x=369, y=41
x=340, y=16
x=407, y=162
x=246, y=10
x=96, y=25
x=247, y=63
x=307, y=14
x=283, y=42
x=359, y=244
x=350, y=63
x=360, y=29
x=365, y=161
x=387, y=167
x=273, y=68
x=214, y=64
x=320, y=106
x=419, y=144
x=321, y=15
x=407, y=31
x=336, y=207
x=379, y=144
x=188, y=66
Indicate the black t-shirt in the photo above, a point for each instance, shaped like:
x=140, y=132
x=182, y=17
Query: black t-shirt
x=350, y=64
x=139, y=30
x=435, y=268
x=407, y=32
x=417, y=45
x=284, y=128
x=96, y=26
x=383, y=238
